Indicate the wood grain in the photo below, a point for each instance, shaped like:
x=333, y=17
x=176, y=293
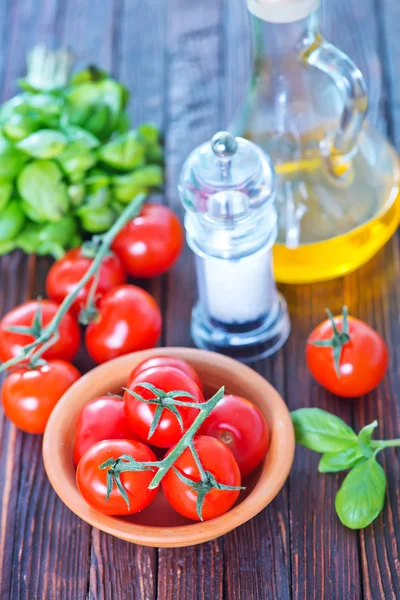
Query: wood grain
x=186, y=64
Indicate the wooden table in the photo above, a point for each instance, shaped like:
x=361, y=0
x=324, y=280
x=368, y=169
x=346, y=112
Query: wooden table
x=186, y=62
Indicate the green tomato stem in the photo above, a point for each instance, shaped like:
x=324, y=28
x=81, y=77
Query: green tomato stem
x=186, y=439
x=132, y=210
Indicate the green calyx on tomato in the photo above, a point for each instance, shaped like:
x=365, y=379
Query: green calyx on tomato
x=163, y=401
x=207, y=483
x=114, y=474
x=338, y=340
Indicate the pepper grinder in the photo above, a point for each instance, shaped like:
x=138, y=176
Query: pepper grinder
x=227, y=188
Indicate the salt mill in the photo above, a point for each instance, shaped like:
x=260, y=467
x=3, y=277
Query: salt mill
x=227, y=188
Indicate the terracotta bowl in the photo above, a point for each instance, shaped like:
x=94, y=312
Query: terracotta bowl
x=159, y=525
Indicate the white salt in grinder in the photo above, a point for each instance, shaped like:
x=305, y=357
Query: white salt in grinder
x=227, y=188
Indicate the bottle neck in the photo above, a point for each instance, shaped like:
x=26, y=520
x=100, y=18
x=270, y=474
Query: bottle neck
x=276, y=41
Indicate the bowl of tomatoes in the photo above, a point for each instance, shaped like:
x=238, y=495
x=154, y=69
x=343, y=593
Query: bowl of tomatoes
x=110, y=440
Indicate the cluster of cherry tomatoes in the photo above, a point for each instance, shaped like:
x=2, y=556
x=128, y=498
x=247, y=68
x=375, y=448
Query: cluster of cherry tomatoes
x=229, y=444
x=126, y=317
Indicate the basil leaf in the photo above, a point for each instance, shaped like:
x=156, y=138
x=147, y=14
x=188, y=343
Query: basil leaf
x=78, y=134
x=43, y=193
x=362, y=495
x=19, y=127
x=45, y=143
x=332, y=462
x=76, y=158
x=149, y=133
x=12, y=220
x=125, y=152
x=321, y=431
x=51, y=238
x=6, y=188
x=12, y=160
x=364, y=439
x=97, y=179
x=76, y=193
x=126, y=187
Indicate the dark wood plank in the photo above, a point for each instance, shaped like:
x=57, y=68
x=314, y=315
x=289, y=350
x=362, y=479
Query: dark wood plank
x=388, y=16
x=378, y=304
x=324, y=554
x=193, y=104
x=33, y=519
x=257, y=554
x=195, y=572
x=118, y=569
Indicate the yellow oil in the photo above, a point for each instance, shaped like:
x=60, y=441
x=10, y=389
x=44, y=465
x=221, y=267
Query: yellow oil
x=365, y=191
x=339, y=255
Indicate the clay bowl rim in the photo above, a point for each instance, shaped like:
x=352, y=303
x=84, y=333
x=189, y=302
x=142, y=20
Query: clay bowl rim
x=272, y=476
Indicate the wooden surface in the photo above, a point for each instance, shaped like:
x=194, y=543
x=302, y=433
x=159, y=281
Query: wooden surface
x=186, y=63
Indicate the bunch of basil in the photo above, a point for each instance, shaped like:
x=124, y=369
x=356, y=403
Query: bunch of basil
x=68, y=160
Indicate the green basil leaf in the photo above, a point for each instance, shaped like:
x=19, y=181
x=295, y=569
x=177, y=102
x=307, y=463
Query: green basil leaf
x=12, y=220
x=16, y=105
x=76, y=158
x=332, y=462
x=124, y=152
x=51, y=238
x=362, y=495
x=149, y=133
x=364, y=439
x=18, y=127
x=76, y=193
x=7, y=247
x=96, y=220
x=45, y=143
x=43, y=193
x=78, y=134
x=126, y=187
x=6, y=188
x=321, y=431
x=91, y=73
x=97, y=179
x=12, y=160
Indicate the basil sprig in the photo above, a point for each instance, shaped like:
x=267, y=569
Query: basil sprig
x=362, y=494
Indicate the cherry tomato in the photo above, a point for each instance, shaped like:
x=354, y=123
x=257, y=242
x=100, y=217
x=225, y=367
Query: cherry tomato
x=151, y=243
x=169, y=361
x=239, y=424
x=128, y=320
x=362, y=362
x=66, y=273
x=141, y=415
x=92, y=481
x=29, y=395
x=101, y=419
x=11, y=344
x=216, y=459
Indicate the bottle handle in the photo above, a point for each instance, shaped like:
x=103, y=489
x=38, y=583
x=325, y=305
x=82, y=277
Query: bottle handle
x=351, y=84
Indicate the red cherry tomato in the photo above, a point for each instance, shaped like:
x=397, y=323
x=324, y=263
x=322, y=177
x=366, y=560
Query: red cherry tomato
x=11, y=344
x=66, y=273
x=92, y=481
x=101, y=419
x=29, y=395
x=151, y=243
x=363, y=360
x=239, y=424
x=128, y=320
x=141, y=415
x=168, y=361
x=216, y=459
